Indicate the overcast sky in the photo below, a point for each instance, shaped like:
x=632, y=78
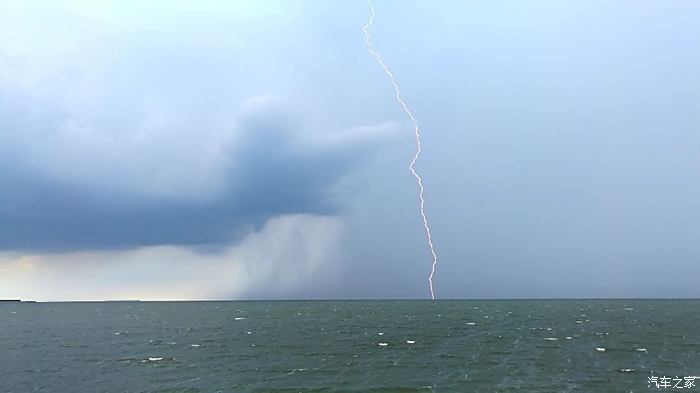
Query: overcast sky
x=236, y=150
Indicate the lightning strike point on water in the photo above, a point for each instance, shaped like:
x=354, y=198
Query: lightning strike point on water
x=411, y=167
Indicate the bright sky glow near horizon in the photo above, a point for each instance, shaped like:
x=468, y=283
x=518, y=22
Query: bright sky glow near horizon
x=246, y=150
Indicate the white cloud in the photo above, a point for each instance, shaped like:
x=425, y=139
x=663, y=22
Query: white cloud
x=291, y=255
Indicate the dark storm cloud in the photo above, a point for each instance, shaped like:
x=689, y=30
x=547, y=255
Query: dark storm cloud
x=274, y=168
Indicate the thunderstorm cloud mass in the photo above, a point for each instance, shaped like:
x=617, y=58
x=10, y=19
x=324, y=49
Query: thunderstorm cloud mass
x=247, y=150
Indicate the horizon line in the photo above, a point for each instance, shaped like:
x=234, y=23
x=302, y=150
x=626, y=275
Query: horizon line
x=10, y=300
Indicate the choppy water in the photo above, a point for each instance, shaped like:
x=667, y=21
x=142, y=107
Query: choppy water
x=338, y=346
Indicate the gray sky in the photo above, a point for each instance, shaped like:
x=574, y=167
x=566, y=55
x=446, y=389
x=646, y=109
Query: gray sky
x=245, y=150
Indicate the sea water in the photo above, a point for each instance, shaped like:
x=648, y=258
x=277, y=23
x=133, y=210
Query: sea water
x=349, y=346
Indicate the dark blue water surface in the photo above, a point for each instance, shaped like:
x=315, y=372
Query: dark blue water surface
x=348, y=346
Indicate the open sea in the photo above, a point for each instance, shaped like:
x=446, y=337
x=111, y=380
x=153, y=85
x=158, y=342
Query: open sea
x=351, y=346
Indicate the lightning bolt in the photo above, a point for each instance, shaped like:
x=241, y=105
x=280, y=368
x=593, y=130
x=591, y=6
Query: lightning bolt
x=411, y=167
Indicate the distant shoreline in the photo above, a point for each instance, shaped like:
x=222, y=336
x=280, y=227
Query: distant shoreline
x=344, y=300
x=16, y=301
